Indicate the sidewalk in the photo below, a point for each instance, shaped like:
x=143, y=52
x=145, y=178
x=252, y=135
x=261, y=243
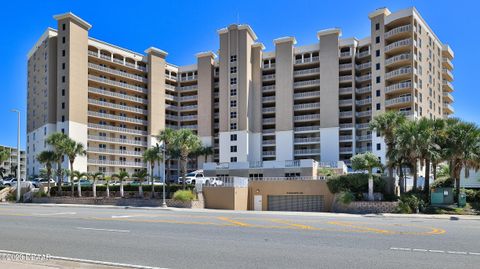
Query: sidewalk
x=52, y=264
x=281, y=213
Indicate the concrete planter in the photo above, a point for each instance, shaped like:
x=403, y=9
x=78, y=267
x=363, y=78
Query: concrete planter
x=366, y=207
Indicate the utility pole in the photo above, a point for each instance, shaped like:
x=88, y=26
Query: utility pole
x=19, y=182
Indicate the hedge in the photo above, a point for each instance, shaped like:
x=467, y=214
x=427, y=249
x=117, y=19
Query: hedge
x=127, y=188
x=355, y=183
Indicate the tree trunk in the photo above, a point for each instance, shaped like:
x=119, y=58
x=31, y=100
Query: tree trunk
x=79, y=189
x=169, y=173
x=401, y=181
x=415, y=176
x=391, y=180
x=71, y=179
x=152, y=166
x=427, y=179
x=59, y=178
x=140, y=190
x=434, y=166
x=108, y=189
x=370, y=185
x=184, y=171
x=121, y=188
x=94, y=187
x=49, y=174
x=457, y=172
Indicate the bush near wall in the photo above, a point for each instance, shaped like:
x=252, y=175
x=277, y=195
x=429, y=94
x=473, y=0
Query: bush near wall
x=169, y=189
x=355, y=183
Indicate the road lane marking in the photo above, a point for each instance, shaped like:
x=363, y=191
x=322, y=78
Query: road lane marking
x=103, y=230
x=436, y=251
x=55, y=214
x=234, y=222
x=296, y=225
x=374, y=230
x=121, y=217
x=474, y=253
x=457, y=252
x=60, y=258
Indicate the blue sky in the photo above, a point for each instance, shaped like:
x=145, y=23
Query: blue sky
x=183, y=28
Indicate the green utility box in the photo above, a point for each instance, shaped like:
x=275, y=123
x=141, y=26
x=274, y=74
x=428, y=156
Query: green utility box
x=441, y=196
x=462, y=199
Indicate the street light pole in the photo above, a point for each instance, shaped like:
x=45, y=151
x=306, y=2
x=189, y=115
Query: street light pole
x=19, y=182
x=164, y=149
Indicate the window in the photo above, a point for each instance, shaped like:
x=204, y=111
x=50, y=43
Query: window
x=378, y=79
x=63, y=92
x=63, y=78
x=377, y=66
x=233, y=148
x=63, y=130
x=233, y=92
x=63, y=40
x=233, y=69
x=63, y=66
x=63, y=52
x=377, y=39
x=377, y=26
x=233, y=103
x=378, y=106
x=233, y=81
x=63, y=27
x=377, y=53
x=379, y=146
x=63, y=105
x=378, y=93
x=63, y=118
x=233, y=159
x=233, y=58
x=233, y=137
x=233, y=115
x=233, y=126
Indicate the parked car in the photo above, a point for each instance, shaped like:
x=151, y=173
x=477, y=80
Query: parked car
x=195, y=177
x=9, y=181
x=38, y=182
x=84, y=183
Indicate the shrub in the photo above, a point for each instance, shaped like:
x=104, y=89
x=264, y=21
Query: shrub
x=11, y=197
x=346, y=197
x=355, y=183
x=445, y=182
x=183, y=195
x=411, y=203
x=472, y=195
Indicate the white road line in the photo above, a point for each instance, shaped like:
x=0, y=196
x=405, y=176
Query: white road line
x=121, y=217
x=419, y=250
x=406, y=249
x=103, y=230
x=126, y=265
x=436, y=251
x=474, y=253
x=457, y=252
x=54, y=214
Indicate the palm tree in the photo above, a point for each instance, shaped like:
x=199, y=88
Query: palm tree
x=57, y=140
x=428, y=148
x=409, y=141
x=150, y=156
x=107, y=181
x=47, y=158
x=95, y=177
x=141, y=175
x=72, y=150
x=79, y=175
x=122, y=176
x=385, y=124
x=4, y=155
x=366, y=161
x=167, y=136
x=186, y=142
x=207, y=151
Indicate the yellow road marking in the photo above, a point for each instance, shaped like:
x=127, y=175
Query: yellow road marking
x=374, y=230
x=236, y=223
x=296, y=225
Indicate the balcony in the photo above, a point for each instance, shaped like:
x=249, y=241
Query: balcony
x=115, y=163
x=188, y=118
x=118, y=95
x=345, y=102
x=188, y=78
x=360, y=114
x=345, y=54
x=364, y=149
x=190, y=127
x=307, y=140
x=398, y=45
x=345, y=90
x=367, y=77
x=304, y=72
x=170, y=87
x=270, y=153
x=116, y=106
x=268, y=131
x=116, y=129
x=346, y=125
x=447, y=97
x=345, y=114
x=402, y=100
x=399, y=73
x=188, y=108
x=362, y=126
x=345, y=67
x=448, y=109
x=311, y=117
x=306, y=151
x=366, y=89
x=345, y=78
x=270, y=142
x=447, y=86
x=171, y=117
x=398, y=59
x=305, y=95
x=447, y=63
x=314, y=59
x=171, y=77
x=270, y=88
x=363, y=54
x=364, y=137
x=306, y=129
x=269, y=66
x=345, y=138
x=268, y=120
x=447, y=74
x=363, y=66
x=117, y=140
x=117, y=72
x=114, y=151
x=404, y=29
x=116, y=117
x=362, y=102
x=124, y=63
x=307, y=106
x=346, y=149
x=267, y=110
x=268, y=77
x=402, y=86
x=118, y=84
x=188, y=88
x=188, y=98
x=307, y=83
x=268, y=99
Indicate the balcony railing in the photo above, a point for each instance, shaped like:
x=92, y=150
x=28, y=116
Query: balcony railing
x=306, y=151
x=188, y=98
x=399, y=86
x=300, y=95
x=117, y=140
x=306, y=106
x=109, y=58
x=307, y=140
x=116, y=94
x=366, y=89
x=116, y=106
x=345, y=90
x=307, y=117
x=116, y=129
x=344, y=67
x=363, y=66
x=363, y=102
x=398, y=100
x=345, y=137
x=298, y=84
x=362, y=126
x=268, y=153
x=184, y=108
x=363, y=78
x=268, y=120
x=346, y=125
x=306, y=71
x=448, y=73
x=364, y=137
x=306, y=128
x=116, y=117
x=398, y=58
x=363, y=54
x=120, y=163
x=398, y=72
x=188, y=88
x=363, y=149
x=398, y=30
x=447, y=95
x=118, y=84
x=190, y=127
x=269, y=65
x=345, y=78
x=188, y=78
x=268, y=110
x=115, y=151
x=346, y=149
x=347, y=102
x=401, y=43
x=268, y=77
x=117, y=72
x=364, y=113
x=188, y=117
x=345, y=114
x=345, y=54
x=270, y=88
x=307, y=60
x=268, y=99
x=268, y=142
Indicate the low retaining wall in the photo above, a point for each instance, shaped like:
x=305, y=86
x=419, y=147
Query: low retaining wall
x=116, y=201
x=366, y=207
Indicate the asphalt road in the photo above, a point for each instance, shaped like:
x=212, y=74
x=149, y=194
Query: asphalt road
x=185, y=239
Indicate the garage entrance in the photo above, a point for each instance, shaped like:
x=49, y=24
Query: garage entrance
x=304, y=203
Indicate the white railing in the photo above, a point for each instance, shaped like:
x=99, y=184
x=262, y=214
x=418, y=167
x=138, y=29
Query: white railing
x=268, y=142
x=118, y=84
x=398, y=86
x=188, y=78
x=188, y=117
x=116, y=106
x=268, y=120
x=121, y=163
x=362, y=125
x=345, y=137
x=307, y=117
x=268, y=153
x=171, y=77
x=187, y=88
x=345, y=54
x=268, y=88
x=346, y=125
x=306, y=128
x=345, y=78
x=364, y=137
x=190, y=127
x=345, y=102
x=268, y=131
x=116, y=117
x=117, y=72
x=116, y=129
x=188, y=98
x=364, y=78
x=109, y=58
x=270, y=65
x=346, y=149
x=345, y=66
x=398, y=100
x=363, y=149
x=306, y=71
x=192, y=107
x=362, y=102
x=306, y=106
x=366, y=89
x=116, y=94
x=363, y=54
x=344, y=114
x=307, y=60
x=307, y=140
x=268, y=77
x=268, y=98
x=115, y=151
x=401, y=43
x=363, y=66
x=398, y=58
x=268, y=110
x=398, y=72
x=299, y=95
x=345, y=90
x=306, y=151
x=306, y=83
x=398, y=30
x=364, y=113
x=171, y=117
x=117, y=140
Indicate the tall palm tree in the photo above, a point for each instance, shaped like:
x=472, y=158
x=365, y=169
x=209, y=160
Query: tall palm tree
x=47, y=158
x=95, y=177
x=366, y=161
x=122, y=176
x=150, y=156
x=185, y=142
x=72, y=150
x=57, y=140
x=140, y=175
x=167, y=136
x=107, y=181
x=207, y=151
x=78, y=175
x=4, y=155
x=385, y=124
x=409, y=146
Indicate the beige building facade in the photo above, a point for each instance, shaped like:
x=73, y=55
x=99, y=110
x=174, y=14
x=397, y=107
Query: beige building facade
x=9, y=166
x=292, y=103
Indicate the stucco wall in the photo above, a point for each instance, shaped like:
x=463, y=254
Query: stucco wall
x=225, y=198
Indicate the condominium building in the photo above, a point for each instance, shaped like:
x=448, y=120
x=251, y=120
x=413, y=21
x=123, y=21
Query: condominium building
x=9, y=166
x=295, y=102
